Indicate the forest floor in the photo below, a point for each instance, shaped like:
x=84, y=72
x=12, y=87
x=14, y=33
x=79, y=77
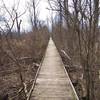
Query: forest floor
x=10, y=79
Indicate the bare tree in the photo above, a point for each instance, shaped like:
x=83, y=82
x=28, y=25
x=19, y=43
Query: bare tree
x=33, y=5
x=18, y=24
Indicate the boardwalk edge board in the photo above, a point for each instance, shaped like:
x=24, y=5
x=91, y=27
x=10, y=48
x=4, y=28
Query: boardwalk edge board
x=69, y=79
x=71, y=84
x=34, y=81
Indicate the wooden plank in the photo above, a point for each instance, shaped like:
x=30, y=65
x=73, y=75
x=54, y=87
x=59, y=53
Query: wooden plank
x=52, y=82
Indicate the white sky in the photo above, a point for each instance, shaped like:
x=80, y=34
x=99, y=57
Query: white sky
x=23, y=4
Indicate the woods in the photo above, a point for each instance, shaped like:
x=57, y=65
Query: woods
x=74, y=27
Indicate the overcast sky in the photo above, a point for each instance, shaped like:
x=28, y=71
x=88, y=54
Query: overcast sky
x=23, y=4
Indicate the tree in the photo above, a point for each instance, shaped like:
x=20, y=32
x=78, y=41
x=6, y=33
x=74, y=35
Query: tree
x=33, y=5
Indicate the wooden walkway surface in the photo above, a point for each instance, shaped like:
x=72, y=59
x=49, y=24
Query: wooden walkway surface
x=53, y=82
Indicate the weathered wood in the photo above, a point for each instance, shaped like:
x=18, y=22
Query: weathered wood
x=52, y=82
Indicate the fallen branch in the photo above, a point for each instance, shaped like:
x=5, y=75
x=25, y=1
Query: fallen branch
x=66, y=54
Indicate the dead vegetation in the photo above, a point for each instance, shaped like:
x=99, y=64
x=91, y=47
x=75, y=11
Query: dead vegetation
x=22, y=57
x=20, y=53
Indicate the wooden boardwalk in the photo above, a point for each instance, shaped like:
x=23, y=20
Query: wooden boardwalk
x=53, y=82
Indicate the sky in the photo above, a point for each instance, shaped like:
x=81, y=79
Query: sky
x=23, y=5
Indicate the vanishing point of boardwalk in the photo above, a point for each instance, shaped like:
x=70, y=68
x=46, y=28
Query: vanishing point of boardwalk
x=53, y=82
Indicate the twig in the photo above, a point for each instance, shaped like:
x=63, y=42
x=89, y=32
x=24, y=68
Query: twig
x=66, y=54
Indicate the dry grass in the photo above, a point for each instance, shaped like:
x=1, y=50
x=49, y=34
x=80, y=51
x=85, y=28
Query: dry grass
x=28, y=50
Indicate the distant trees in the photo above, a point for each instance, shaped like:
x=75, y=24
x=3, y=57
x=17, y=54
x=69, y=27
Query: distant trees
x=34, y=14
x=18, y=24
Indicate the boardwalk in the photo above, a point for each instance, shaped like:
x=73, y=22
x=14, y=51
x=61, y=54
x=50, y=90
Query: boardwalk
x=52, y=82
